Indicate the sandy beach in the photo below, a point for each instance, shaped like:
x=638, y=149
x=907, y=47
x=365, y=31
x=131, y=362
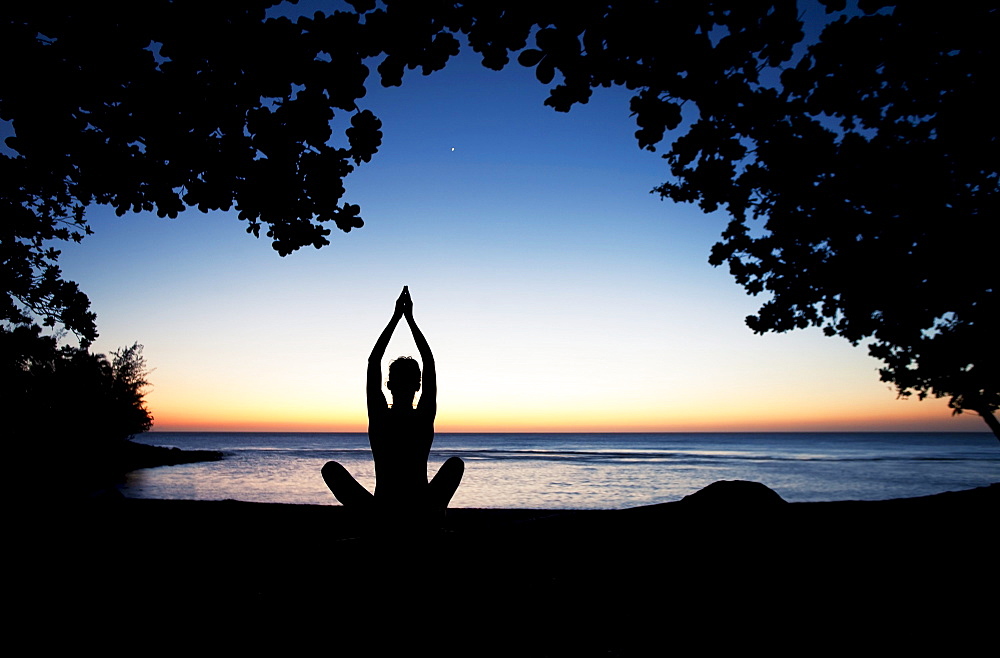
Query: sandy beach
x=729, y=571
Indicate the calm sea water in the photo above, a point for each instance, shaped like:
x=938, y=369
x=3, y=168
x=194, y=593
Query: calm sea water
x=587, y=471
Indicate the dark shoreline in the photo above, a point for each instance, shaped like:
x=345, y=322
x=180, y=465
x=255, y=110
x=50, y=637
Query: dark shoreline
x=132, y=456
x=918, y=573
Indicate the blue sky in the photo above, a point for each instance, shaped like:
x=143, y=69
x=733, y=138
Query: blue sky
x=556, y=292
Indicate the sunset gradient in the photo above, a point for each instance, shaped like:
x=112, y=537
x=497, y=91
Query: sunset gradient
x=556, y=292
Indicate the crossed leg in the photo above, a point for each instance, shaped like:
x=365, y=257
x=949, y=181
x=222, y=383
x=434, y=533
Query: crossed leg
x=352, y=494
x=445, y=482
x=345, y=488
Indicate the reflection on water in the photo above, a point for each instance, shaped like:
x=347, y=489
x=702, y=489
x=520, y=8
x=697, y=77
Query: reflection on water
x=587, y=471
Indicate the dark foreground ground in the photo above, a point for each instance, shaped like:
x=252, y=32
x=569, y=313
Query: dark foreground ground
x=732, y=573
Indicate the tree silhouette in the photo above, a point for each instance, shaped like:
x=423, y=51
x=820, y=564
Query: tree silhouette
x=854, y=149
x=75, y=412
x=70, y=395
x=875, y=180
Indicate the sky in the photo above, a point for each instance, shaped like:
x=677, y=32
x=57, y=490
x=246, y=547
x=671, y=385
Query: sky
x=556, y=292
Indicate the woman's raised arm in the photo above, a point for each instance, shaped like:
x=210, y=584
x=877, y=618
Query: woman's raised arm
x=374, y=384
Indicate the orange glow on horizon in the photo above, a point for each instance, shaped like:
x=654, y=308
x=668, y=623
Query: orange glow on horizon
x=903, y=416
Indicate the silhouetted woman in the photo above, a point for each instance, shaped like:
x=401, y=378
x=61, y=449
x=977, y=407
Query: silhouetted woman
x=400, y=436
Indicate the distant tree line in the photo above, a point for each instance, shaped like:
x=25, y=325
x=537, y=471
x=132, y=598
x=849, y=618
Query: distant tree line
x=72, y=412
x=853, y=145
x=67, y=394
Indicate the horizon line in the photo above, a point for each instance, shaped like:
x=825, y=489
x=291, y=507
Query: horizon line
x=698, y=431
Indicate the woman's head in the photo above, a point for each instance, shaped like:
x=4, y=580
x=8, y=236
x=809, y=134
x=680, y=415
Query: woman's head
x=404, y=375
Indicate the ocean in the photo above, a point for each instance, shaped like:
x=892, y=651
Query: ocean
x=586, y=471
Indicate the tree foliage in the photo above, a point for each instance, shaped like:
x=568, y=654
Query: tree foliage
x=72, y=410
x=873, y=175
x=68, y=395
x=852, y=144
x=166, y=105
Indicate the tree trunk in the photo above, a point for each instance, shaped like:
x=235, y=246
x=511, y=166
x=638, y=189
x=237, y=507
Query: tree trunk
x=992, y=421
